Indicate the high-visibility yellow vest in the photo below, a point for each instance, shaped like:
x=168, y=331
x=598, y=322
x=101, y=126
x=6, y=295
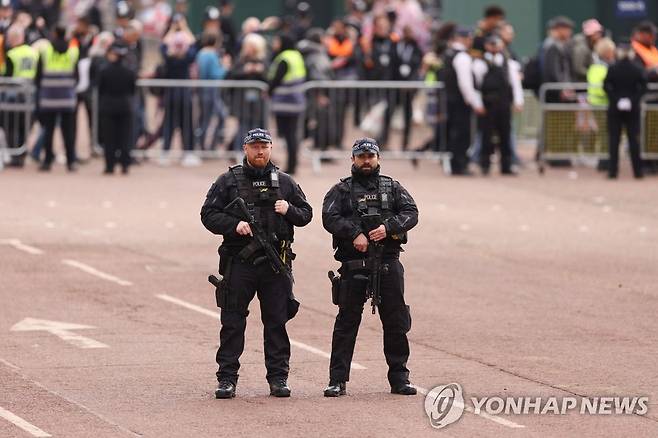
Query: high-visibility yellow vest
x=294, y=61
x=596, y=74
x=288, y=98
x=55, y=62
x=57, y=88
x=24, y=60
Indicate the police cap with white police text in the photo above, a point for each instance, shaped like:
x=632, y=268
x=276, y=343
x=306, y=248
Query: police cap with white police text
x=365, y=144
x=258, y=135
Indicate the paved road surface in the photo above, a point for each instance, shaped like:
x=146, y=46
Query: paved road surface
x=529, y=286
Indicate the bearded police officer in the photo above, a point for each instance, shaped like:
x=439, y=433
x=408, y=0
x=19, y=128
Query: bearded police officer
x=368, y=215
x=255, y=257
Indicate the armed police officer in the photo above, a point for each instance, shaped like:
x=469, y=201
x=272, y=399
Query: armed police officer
x=255, y=207
x=368, y=215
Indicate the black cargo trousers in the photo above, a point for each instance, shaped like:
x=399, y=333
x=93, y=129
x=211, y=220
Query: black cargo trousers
x=244, y=282
x=393, y=313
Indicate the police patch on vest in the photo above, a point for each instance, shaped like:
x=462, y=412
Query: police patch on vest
x=370, y=197
x=259, y=183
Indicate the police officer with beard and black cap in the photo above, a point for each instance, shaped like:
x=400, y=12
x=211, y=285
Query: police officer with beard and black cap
x=278, y=205
x=361, y=246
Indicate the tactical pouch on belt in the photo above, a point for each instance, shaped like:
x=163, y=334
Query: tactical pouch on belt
x=220, y=290
x=335, y=287
x=223, y=297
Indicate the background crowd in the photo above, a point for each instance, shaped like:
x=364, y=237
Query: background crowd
x=106, y=46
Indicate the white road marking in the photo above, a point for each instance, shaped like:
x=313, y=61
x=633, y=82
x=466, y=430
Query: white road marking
x=21, y=246
x=93, y=271
x=493, y=418
x=190, y=306
x=9, y=364
x=19, y=422
x=60, y=329
x=16, y=370
x=213, y=314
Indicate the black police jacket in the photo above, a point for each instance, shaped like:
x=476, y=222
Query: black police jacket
x=225, y=190
x=338, y=216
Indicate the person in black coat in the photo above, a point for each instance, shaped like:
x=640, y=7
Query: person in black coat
x=408, y=60
x=116, y=90
x=625, y=84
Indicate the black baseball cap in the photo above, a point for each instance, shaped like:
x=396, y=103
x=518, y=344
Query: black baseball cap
x=258, y=135
x=119, y=47
x=365, y=144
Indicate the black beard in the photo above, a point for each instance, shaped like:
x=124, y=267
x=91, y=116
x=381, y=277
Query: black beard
x=359, y=172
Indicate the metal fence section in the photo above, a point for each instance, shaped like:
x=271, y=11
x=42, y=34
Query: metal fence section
x=571, y=128
x=405, y=117
x=650, y=123
x=203, y=118
x=17, y=103
x=527, y=123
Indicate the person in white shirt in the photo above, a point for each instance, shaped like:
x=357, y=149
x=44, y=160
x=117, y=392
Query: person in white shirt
x=498, y=81
x=462, y=98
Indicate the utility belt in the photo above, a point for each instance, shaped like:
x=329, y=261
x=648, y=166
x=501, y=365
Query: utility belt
x=353, y=271
x=254, y=254
x=228, y=299
x=363, y=264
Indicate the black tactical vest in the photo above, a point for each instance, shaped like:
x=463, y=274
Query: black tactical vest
x=260, y=195
x=379, y=201
x=496, y=88
x=448, y=75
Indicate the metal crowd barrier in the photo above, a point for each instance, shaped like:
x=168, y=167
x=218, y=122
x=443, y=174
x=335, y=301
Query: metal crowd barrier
x=17, y=103
x=207, y=118
x=393, y=112
x=576, y=130
x=573, y=129
x=649, y=127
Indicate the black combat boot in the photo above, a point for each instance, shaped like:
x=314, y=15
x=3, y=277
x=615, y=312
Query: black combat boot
x=403, y=389
x=335, y=389
x=279, y=388
x=225, y=389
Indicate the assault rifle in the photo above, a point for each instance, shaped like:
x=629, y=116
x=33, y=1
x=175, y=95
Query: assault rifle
x=238, y=209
